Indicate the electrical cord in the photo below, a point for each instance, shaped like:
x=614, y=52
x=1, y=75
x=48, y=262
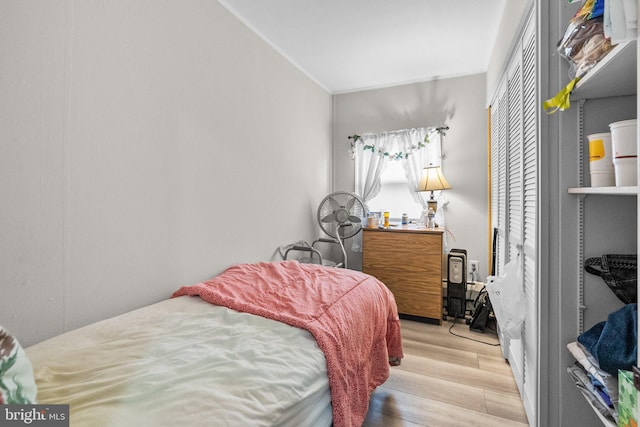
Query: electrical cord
x=455, y=319
x=449, y=232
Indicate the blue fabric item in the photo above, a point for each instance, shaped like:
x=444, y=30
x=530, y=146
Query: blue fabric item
x=589, y=339
x=603, y=395
x=614, y=343
x=598, y=9
x=601, y=389
x=595, y=381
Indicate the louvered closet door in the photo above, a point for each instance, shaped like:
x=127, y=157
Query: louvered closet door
x=514, y=159
x=514, y=201
x=499, y=174
x=496, y=218
x=514, y=193
x=530, y=109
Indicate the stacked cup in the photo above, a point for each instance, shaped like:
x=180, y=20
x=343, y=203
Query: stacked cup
x=625, y=153
x=601, y=160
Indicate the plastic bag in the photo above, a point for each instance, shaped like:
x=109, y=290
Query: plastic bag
x=583, y=44
x=508, y=299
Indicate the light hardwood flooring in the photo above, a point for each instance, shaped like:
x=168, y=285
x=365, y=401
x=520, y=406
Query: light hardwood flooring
x=445, y=381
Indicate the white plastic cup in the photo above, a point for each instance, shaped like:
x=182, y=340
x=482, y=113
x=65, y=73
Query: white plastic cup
x=623, y=138
x=625, y=152
x=626, y=171
x=602, y=179
x=600, y=160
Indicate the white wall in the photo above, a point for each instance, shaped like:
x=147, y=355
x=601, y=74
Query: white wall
x=457, y=103
x=144, y=145
x=515, y=12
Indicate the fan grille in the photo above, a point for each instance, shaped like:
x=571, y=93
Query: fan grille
x=340, y=214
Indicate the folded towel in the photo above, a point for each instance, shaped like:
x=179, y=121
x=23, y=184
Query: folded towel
x=614, y=343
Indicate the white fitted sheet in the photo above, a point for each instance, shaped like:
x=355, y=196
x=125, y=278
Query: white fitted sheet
x=185, y=362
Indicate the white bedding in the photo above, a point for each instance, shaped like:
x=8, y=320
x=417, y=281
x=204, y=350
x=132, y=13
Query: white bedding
x=185, y=362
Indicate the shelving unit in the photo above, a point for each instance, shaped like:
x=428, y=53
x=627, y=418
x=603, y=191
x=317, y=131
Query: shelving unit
x=611, y=83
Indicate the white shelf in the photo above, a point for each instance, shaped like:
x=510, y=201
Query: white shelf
x=614, y=75
x=614, y=191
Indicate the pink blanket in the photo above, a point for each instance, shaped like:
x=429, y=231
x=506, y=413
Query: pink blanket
x=352, y=316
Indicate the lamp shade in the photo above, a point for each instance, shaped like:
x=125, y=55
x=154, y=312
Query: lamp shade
x=432, y=180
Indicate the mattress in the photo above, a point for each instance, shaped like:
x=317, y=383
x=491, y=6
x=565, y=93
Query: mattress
x=352, y=316
x=184, y=361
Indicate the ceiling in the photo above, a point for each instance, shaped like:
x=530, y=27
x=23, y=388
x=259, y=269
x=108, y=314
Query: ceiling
x=351, y=45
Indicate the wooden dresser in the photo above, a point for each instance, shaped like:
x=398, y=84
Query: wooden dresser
x=409, y=261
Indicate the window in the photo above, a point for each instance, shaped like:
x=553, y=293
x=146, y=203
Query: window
x=389, y=166
x=394, y=195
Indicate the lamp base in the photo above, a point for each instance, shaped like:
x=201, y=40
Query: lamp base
x=433, y=204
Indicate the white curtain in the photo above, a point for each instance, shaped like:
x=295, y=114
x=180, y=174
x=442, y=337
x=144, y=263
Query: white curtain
x=368, y=151
x=430, y=154
x=415, y=148
x=370, y=161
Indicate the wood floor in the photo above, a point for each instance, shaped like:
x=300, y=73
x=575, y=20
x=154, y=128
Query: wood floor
x=445, y=381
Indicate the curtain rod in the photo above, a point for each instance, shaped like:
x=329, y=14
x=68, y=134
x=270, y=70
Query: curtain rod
x=440, y=129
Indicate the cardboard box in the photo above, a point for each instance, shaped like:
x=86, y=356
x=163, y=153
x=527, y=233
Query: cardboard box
x=628, y=400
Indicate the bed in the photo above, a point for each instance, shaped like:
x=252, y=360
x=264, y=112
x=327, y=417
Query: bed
x=265, y=344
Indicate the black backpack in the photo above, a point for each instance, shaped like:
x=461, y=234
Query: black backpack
x=481, y=311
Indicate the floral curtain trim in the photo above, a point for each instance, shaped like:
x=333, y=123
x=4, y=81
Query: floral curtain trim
x=398, y=155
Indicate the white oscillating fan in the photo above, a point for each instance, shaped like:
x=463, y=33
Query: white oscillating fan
x=340, y=216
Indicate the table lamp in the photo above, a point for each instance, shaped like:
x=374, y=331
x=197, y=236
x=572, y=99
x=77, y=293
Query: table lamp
x=432, y=180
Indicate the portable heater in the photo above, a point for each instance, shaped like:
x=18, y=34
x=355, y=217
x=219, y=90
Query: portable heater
x=457, y=282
